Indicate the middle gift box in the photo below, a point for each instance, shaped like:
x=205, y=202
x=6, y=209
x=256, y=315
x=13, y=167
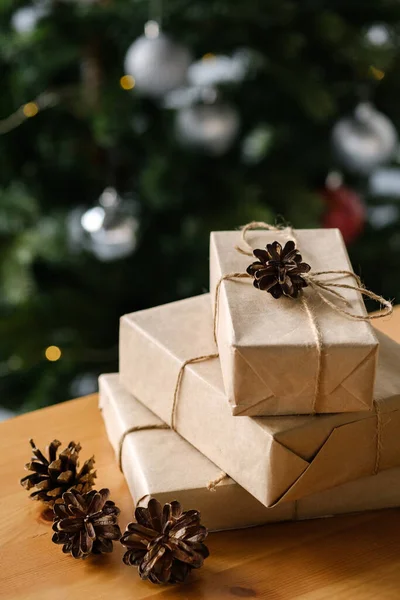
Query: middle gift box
x=276, y=459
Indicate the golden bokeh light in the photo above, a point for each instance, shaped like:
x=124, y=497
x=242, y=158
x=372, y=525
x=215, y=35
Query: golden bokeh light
x=52, y=353
x=209, y=56
x=127, y=82
x=30, y=109
x=376, y=73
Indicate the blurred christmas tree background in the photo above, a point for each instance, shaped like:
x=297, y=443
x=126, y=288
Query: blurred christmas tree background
x=117, y=161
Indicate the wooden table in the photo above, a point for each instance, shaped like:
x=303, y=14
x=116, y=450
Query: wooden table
x=350, y=557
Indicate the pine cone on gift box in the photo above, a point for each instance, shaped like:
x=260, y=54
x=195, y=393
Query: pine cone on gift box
x=165, y=543
x=86, y=523
x=53, y=476
x=279, y=271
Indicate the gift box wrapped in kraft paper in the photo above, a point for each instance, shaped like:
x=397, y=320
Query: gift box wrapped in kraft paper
x=276, y=459
x=291, y=355
x=159, y=463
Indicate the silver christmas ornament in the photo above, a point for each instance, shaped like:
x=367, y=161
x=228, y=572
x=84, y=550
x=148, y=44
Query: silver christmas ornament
x=215, y=69
x=5, y=414
x=157, y=64
x=382, y=216
x=365, y=140
x=83, y=385
x=108, y=230
x=189, y=96
x=378, y=35
x=182, y=97
x=208, y=127
x=25, y=19
x=385, y=183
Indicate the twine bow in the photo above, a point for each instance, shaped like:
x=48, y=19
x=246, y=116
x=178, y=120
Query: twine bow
x=316, y=283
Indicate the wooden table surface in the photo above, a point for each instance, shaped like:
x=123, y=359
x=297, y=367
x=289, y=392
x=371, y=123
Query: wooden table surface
x=348, y=557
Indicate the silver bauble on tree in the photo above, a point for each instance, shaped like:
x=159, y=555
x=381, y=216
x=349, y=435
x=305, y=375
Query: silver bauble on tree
x=385, y=183
x=216, y=69
x=83, y=385
x=208, y=127
x=157, y=64
x=378, y=35
x=107, y=230
x=365, y=140
x=25, y=19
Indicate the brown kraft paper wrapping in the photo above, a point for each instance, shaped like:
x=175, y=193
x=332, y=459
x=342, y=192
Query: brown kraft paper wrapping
x=161, y=464
x=276, y=459
x=268, y=347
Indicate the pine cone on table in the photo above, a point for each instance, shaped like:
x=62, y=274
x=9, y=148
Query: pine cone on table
x=165, y=543
x=86, y=523
x=53, y=476
x=279, y=271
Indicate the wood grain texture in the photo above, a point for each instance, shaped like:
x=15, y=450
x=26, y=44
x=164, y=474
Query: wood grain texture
x=349, y=557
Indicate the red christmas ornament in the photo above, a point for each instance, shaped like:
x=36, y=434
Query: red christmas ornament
x=345, y=210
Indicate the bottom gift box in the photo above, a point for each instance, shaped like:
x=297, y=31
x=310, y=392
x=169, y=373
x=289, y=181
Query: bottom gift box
x=159, y=463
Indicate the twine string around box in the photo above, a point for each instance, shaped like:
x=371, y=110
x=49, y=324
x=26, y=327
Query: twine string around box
x=181, y=371
x=132, y=430
x=212, y=485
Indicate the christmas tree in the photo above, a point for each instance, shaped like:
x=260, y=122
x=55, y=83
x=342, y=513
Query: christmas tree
x=121, y=150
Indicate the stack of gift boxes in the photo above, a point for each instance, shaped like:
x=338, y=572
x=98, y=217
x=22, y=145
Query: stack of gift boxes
x=255, y=409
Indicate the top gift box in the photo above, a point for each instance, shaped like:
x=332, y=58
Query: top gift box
x=300, y=347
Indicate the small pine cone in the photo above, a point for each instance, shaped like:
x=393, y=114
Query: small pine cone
x=165, y=543
x=53, y=476
x=86, y=523
x=279, y=271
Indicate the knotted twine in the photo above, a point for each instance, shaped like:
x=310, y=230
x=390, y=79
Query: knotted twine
x=318, y=287
x=312, y=278
x=211, y=486
x=132, y=430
